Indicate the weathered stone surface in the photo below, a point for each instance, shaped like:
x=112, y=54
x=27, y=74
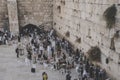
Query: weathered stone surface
x=85, y=20
x=16, y=69
x=33, y=11
x=3, y=14
x=82, y=18
x=13, y=16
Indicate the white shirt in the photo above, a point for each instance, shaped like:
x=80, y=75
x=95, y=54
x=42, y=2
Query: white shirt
x=0, y=38
x=33, y=65
x=48, y=48
x=53, y=43
x=84, y=73
x=41, y=47
x=51, y=32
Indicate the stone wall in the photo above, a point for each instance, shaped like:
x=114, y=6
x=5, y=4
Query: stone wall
x=3, y=14
x=29, y=12
x=35, y=12
x=13, y=16
x=84, y=20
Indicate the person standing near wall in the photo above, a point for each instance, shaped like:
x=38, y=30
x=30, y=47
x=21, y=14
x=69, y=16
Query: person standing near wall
x=49, y=51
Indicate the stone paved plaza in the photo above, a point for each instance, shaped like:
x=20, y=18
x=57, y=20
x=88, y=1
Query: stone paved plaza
x=12, y=68
x=86, y=24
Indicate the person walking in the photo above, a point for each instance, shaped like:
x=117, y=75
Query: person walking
x=68, y=76
x=33, y=69
x=49, y=51
x=17, y=52
x=45, y=76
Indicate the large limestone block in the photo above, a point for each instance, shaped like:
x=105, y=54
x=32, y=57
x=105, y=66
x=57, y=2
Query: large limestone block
x=117, y=45
x=13, y=16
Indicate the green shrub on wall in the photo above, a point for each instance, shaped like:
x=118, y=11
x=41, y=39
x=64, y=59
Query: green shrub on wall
x=78, y=40
x=67, y=34
x=59, y=8
x=109, y=16
x=116, y=35
x=94, y=54
x=112, y=44
x=63, y=2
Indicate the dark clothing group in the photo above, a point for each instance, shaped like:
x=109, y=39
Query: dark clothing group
x=49, y=47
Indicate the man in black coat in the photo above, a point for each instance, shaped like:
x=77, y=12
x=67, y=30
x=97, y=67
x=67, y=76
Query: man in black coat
x=68, y=77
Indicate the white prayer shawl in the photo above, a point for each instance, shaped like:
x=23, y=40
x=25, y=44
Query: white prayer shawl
x=70, y=60
x=0, y=38
x=45, y=65
x=11, y=35
x=84, y=73
x=77, y=67
x=32, y=47
x=49, y=51
x=51, y=32
x=30, y=39
x=41, y=48
x=53, y=44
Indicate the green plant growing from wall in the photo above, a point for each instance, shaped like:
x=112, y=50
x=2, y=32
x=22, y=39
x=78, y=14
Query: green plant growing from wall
x=94, y=54
x=112, y=44
x=67, y=34
x=63, y=2
x=109, y=16
x=59, y=8
x=78, y=40
x=116, y=35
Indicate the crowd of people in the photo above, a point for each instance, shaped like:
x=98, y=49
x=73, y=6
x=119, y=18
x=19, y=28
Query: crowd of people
x=7, y=37
x=49, y=49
